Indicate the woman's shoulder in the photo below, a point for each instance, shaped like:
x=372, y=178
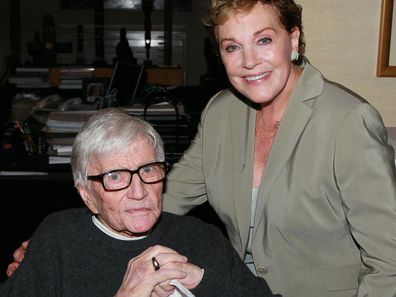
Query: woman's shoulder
x=223, y=105
x=337, y=101
x=226, y=98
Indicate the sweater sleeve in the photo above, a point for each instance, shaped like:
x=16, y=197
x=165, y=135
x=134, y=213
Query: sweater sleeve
x=34, y=277
x=234, y=279
x=225, y=273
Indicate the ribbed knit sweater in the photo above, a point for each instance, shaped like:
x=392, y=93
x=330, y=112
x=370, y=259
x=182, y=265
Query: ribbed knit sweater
x=69, y=256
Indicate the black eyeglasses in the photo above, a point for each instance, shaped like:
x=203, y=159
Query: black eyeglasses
x=120, y=179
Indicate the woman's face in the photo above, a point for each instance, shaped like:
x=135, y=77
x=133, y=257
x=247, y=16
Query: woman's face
x=256, y=51
x=132, y=210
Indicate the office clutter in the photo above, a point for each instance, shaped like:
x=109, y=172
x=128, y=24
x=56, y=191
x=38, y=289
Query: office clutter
x=31, y=77
x=52, y=103
x=46, y=127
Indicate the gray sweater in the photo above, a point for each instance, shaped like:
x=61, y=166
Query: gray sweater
x=69, y=256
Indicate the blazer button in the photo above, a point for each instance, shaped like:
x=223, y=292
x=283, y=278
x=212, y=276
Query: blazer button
x=262, y=270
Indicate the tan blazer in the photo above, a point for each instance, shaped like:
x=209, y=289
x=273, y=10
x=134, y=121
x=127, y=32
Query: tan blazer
x=325, y=221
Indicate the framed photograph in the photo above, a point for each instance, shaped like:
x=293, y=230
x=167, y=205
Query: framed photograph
x=94, y=88
x=386, y=61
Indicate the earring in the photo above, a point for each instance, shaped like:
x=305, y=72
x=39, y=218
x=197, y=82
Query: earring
x=294, y=56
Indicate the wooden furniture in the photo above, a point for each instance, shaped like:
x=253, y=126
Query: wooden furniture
x=156, y=76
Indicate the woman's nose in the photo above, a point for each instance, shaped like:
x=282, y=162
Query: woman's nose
x=250, y=58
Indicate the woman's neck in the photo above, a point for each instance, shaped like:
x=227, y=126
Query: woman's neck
x=271, y=113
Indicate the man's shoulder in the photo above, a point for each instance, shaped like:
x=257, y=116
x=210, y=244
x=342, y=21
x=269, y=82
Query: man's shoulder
x=68, y=214
x=65, y=219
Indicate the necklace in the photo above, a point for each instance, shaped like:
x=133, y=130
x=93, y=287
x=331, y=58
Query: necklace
x=274, y=127
x=267, y=133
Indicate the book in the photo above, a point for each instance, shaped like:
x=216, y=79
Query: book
x=31, y=70
x=67, y=121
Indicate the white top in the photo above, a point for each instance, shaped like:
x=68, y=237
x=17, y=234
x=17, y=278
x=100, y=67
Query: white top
x=248, y=259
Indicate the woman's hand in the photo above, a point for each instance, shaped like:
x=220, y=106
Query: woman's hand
x=141, y=278
x=18, y=255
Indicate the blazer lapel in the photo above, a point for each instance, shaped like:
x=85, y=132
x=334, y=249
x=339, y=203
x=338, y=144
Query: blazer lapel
x=242, y=118
x=295, y=119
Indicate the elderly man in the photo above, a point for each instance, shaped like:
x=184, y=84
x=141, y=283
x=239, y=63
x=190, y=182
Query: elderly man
x=123, y=245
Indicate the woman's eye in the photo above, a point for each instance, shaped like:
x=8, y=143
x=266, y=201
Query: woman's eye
x=231, y=48
x=264, y=40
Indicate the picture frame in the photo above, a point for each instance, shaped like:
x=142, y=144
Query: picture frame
x=93, y=88
x=384, y=69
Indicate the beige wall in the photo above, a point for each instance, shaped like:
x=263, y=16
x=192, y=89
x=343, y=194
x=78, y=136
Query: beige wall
x=342, y=41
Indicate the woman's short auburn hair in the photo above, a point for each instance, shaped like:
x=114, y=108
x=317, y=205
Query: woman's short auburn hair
x=289, y=13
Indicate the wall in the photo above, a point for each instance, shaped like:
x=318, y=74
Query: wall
x=342, y=41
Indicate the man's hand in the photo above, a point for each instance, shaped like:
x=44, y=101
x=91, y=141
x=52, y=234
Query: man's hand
x=193, y=277
x=19, y=254
x=142, y=276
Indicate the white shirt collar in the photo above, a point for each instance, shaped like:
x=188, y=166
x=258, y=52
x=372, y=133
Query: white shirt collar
x=111, y=233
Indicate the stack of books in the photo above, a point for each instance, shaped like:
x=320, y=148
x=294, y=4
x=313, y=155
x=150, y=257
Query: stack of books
x=30, y=78
x=72, y=77
x=60, y=131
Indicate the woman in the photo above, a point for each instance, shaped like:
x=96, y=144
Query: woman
x=298, y=168
x=122, y=244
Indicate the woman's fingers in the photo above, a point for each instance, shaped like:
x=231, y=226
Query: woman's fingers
x=18, y=256
x=11, y=268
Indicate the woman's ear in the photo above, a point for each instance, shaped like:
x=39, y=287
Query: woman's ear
x=295, y=38
x=88, y=198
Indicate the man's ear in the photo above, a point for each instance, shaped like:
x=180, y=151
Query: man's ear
x=88, y=199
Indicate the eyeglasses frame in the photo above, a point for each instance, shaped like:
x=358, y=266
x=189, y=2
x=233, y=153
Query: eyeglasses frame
x=99, y=177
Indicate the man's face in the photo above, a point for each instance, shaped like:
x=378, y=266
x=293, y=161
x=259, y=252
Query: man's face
x=131, y=211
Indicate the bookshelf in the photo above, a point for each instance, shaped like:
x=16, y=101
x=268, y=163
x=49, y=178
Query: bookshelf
x=70, y=77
